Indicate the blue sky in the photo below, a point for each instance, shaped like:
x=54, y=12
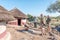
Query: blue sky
x=33, y=7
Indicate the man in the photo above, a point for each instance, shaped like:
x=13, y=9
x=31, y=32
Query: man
x=41, y=20
x=42, y=24
x=48, y=23
x=48, y=20
x=35, y=22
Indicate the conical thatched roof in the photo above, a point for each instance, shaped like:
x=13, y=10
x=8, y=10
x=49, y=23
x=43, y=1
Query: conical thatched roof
x=5, y=15
x=2, y=8
x=17, y=13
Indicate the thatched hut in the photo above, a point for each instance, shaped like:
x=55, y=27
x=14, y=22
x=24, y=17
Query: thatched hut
x=5, y=16
x=20, y=16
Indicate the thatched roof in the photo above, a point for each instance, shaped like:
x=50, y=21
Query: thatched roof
x=2, y=8
x=5, y=15
x=17, y=13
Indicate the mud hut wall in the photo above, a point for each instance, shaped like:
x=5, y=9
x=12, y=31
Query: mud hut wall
x=15, y=22
x=23, y=21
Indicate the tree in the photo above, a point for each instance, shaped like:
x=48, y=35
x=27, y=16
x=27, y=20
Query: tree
x=30, y=17
x=55, y=7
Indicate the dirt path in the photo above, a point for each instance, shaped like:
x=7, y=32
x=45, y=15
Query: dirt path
x=16, y=35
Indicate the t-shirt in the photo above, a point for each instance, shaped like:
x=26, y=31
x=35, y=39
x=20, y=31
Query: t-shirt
x=41, y=20
x=48, y=20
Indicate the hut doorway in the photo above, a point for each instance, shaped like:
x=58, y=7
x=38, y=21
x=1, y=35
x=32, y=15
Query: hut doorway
x=19, y=21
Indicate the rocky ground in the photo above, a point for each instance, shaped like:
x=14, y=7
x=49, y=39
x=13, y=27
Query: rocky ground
x=17, y=35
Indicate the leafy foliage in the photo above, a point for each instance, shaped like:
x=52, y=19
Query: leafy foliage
x=30, y=17
x=55, y=7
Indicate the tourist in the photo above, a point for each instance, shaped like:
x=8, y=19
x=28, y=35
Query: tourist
x=35, y=22
x=42, y=24
x=48, y=23
x=41, y=20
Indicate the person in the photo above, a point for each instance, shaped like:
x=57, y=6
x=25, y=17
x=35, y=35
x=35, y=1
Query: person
x=48, y=23
x=41, y=20
x=42, y=28
x=35, y=22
